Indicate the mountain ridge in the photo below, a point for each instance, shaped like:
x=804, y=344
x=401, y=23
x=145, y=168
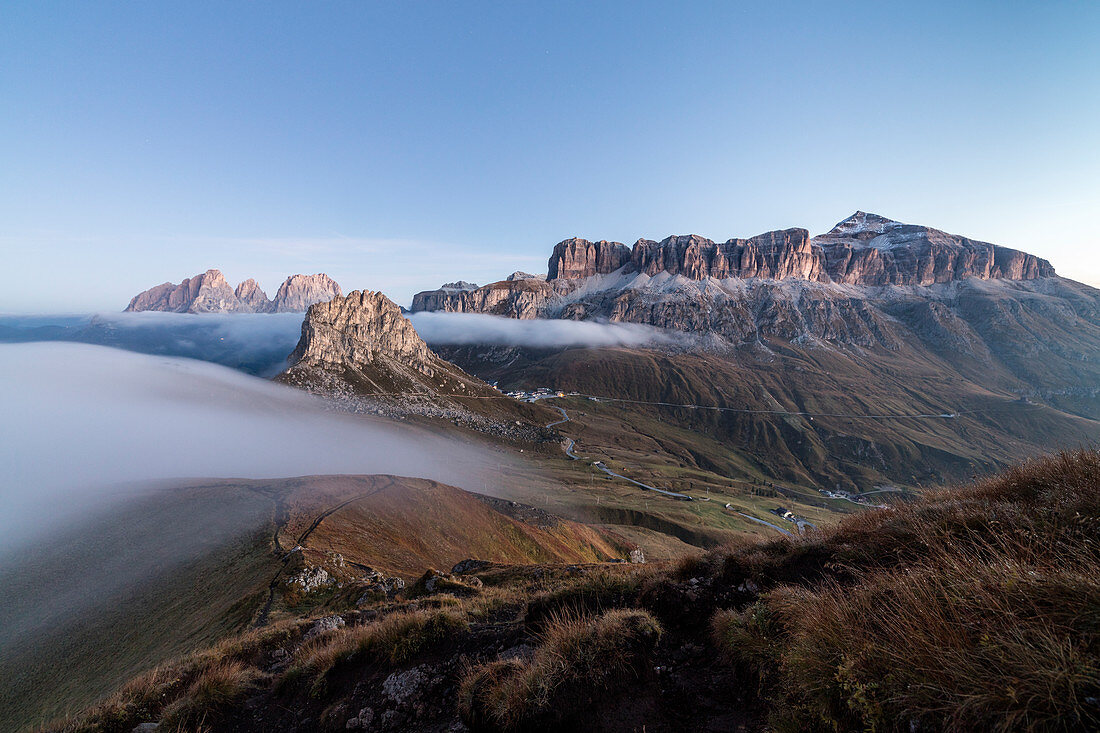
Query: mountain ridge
x=210, y=292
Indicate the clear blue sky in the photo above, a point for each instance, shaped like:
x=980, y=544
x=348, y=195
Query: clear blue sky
x=395, y=145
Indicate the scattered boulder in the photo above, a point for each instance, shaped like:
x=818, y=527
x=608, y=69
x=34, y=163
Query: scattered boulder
x=323, y=626
x=470, y=565
x=311, y=579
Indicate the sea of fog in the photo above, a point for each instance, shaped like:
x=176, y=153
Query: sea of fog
x=91, y=403
x=260, y=343
x=79, y=422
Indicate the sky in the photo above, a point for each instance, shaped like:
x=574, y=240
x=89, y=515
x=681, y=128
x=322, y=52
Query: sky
x=396, y=146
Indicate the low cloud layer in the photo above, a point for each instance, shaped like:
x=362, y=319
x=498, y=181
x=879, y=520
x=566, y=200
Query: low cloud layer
x=253, y=343
x=455, y=329
x=79, y=421
x=260, y=343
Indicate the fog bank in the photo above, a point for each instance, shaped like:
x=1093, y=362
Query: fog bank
x=456, y=329
x=256, y=343
x=78, y=420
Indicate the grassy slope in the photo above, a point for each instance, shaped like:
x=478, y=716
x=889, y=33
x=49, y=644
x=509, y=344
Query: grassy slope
x=403, y=526
x=969, y=609
x=157, y=578
x=993, y=429
x=178, y=570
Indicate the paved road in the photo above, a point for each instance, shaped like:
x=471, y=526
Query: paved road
x=598, y=464
x=766, y=524
x=570, y=444
x=673, y=494
x=564, y=416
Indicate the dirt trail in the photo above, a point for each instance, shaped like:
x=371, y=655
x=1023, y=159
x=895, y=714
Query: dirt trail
x=282, y=516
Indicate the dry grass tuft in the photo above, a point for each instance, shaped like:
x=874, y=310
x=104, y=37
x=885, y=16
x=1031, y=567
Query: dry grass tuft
x=972, y=609
x=214, y=691
x=577, y=656
x=393, y=639
x=593, y=592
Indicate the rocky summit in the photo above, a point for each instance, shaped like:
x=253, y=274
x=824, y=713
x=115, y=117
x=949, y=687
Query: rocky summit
x=360, y=352
x=851, y=285
x=211, y=293
x=299, y=292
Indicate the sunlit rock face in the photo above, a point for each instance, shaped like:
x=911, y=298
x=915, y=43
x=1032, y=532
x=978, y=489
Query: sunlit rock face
x=867, y=249
x=299, y=292
x=211, y=293
x=253, y=299
x=575, y=258
x=859, y=283
x=360, y=329
x=205, y=293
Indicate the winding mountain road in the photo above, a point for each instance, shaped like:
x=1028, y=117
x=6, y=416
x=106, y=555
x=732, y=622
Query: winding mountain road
x=599, y=464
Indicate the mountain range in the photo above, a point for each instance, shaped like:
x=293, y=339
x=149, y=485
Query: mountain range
x=796, y=379
x=210, y=292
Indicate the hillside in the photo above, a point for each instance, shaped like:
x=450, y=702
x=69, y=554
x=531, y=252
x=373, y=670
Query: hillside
x=818, y=418
x=183, y=567
x=971, y=608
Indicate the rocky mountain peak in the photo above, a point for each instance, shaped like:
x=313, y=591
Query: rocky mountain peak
x=299, y=292
x=360, y=328
x=862, y=222
x=868, y=249
x=253, y=297
x=209, y=292
x=576, y=258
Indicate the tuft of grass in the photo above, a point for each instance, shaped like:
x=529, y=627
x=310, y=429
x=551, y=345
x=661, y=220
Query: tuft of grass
x=971, y=609
x=748, y=638
x=392, y=639
x=578, y=657
x=593, y=592
x=965, y=645
x=213, y=692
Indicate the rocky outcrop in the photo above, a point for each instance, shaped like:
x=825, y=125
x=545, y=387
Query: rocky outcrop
x=774, y=255
x=867, y=249
x=522, y=298
x=205, y=293
x=778, y=284
x=360, y=329
x=211, y=293
x=253, y=297
x=577, y=258
x=299, y=292
x=361, y=342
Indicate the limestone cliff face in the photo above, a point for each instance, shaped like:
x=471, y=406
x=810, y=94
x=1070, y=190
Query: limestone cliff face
x=205, y=293
x=299, y=292
x=524, y=298
x=211, y=293
x=778, y=284
x=576, y=258
x=867, y=249
x=773, y=255
x=253, y=297
x=359, y=329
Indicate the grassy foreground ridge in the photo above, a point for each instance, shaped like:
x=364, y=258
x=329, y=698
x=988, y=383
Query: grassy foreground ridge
x=972, y=608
